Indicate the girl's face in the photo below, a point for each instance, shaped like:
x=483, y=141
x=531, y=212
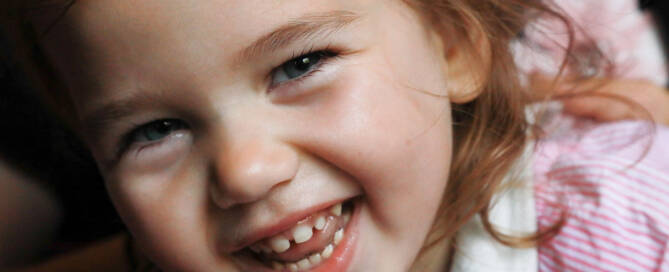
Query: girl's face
x=232, y=133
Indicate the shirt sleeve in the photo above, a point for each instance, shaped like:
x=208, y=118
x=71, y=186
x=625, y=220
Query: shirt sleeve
x=609, y=183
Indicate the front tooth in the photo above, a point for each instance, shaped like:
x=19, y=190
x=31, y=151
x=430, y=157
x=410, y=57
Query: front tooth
x=320, y=223
x=302, y=233
x=347, y=216
x=292, y=267
x=315, y=259
x=279, y=244
x=303, y=264
x=338, y=236
x=336, y=209
x=327, y=251
x=277, y=266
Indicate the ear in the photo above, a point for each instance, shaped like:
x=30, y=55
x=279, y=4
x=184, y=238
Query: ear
x=466, y=62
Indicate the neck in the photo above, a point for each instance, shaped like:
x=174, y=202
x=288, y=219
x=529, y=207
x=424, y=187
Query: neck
x=434, y=259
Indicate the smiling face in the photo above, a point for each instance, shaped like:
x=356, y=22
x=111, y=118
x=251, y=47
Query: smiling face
x=229, y=132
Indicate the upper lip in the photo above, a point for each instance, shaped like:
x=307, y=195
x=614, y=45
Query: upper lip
x=282, y=225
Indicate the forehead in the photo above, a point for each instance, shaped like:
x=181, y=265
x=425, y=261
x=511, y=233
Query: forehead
x=131, y=37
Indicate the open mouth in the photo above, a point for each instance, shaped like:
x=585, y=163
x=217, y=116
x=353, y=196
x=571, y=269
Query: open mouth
x=307, y=244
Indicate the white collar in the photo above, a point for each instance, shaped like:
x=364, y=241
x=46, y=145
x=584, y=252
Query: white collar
x=512, y=213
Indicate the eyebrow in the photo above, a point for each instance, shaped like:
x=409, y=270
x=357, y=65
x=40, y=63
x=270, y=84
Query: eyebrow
x=97, y=120
x=305, y=27
x=302, y=28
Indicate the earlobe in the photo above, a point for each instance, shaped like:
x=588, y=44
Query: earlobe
x=466, y=64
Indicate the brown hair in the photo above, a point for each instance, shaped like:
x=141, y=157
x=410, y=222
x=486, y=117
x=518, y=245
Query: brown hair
x=490, y=132
x=15, y=18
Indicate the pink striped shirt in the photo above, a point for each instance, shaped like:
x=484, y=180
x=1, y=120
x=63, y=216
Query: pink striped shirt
x=611, y=183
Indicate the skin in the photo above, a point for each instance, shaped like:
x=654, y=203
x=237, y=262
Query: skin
x=373, y=122
x=607, y=99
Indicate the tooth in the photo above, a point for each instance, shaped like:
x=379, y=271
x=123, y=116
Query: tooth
x=327, y=251
x=302, y=233
x=277, y=266
x=303, y=264
x=279, y=244
x=338, y=236
x=347, y=216
x=315, y=259
x=292, y=267
x=336, y=209
x=320, y=223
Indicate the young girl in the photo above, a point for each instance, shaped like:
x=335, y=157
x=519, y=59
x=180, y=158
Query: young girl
x=338, y=136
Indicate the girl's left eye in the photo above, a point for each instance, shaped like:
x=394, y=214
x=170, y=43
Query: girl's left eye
x=299, y=67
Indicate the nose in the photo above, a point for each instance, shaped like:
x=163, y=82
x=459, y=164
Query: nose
x=247, y=169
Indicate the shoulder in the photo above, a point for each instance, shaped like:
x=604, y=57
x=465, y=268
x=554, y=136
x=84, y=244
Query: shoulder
x=629, y=160
x=573, y=143
x=609, y=182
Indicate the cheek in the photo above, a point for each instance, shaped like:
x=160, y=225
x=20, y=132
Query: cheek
x=167, y=214
x=394, y=140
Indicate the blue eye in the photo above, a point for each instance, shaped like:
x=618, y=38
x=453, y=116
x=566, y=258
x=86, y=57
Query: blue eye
x=156, y=130
x=299, y=66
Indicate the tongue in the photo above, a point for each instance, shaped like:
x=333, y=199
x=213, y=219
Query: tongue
x=319, y=240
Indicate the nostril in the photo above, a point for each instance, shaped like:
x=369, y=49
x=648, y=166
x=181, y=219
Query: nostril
x=248, y=172
x=220, y=199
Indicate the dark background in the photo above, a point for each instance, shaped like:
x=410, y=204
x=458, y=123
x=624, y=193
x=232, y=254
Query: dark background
x=33, y=141
x=660, y=11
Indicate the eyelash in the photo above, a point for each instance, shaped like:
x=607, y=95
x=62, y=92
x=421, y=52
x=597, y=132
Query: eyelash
x=129, y=139
x=325, y=55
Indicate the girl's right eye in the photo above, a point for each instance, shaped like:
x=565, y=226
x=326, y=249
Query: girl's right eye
x=155, y=131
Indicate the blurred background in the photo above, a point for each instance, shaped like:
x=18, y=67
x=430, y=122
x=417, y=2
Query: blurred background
x=52, y=199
